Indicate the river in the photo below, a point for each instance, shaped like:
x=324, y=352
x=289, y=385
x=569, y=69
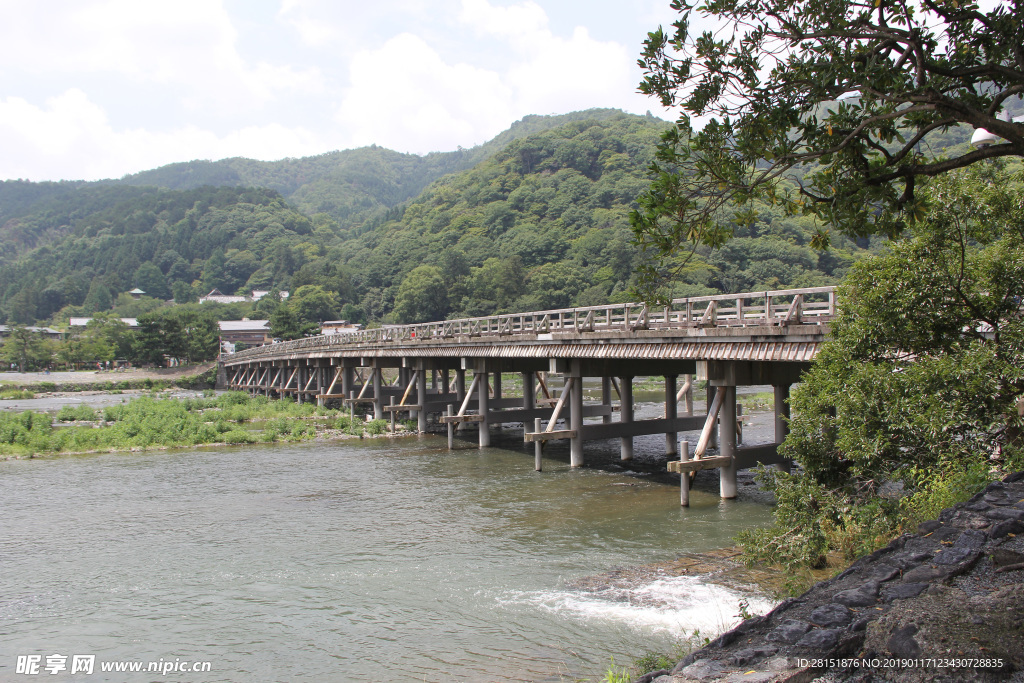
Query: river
x=375, y=560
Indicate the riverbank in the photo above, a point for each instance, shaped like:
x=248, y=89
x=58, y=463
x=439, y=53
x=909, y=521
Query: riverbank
x=943, y=604
x=200, y=376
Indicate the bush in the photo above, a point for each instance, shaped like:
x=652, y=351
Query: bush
x=916, y=384
x=376, y=427
x=79, y=413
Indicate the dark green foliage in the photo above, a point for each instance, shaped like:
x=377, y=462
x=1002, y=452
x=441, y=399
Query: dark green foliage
x=537, y=218
x=919, y=381
x=840, y=110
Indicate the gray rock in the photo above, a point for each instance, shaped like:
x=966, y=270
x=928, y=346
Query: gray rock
x=928, y=527
x=902, y=644
x=752, y=654
x=1003, y=529
x=831, y=615
x=1013, y=477
x=999, y=514
x=884, y=572
x=927, y=573
x=861, y=596
x=971, y=539
x=790, y=631
x=954, y=555
x=902, y=591
x=819, y=641
x=998, y=498
x=906, y=562
x=1002, y=557
x=704, y=668
x=980, y=506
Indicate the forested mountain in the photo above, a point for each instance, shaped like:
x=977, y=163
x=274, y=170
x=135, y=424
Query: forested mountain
x=536, y=218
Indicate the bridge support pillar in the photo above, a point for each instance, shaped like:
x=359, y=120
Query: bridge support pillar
x=714, y=430
x=688, y=394
x=497, y=386
x=626, y=414
x=576, y=416
x=378, y=399
x=606, y=398
x=300, y=382
x=529, y=399
x=460, y=392
x=671, y=413
x=727, y=475
x=347, y=379
x=421, y=398
x=482, y=405
x=782, y=420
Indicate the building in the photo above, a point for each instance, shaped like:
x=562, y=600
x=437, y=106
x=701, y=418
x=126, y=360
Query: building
x=45, y=331
x=133, y=323
x=218, y=297
x=245, y=331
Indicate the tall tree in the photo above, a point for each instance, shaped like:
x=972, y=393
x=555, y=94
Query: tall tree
x=866, y=90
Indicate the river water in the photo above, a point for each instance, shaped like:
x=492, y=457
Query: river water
x=375, y=560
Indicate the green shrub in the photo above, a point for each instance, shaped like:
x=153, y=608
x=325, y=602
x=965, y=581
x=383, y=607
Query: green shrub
x=78, y=413
x=376, y=427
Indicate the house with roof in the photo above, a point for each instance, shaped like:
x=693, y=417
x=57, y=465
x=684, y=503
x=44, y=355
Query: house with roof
x=244, y=331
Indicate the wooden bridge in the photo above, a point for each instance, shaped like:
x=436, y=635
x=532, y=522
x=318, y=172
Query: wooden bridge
x=753, y=338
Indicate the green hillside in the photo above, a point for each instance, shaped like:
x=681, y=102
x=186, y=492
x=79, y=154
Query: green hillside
x=537, y=218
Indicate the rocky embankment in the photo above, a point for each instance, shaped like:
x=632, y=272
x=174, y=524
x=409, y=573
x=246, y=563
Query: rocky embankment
x=944, y=604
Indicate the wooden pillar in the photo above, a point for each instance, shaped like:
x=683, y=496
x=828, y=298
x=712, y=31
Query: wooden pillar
x=529, y=400
x=727, y=475
x=714, y=430
x=497, y=385
x=606, y=398
x=446, y=380
x=281, y=384
x=321, y=385
x=671, y=413
x=378, y=400
x=688, y=396
x=481, y=393
x=684, y=477
x=421, y=399
x=626, y=414
x=576, y=417
x=781, y=420
x=460, y=385
x=347, y=380
x=460, y=393
x=300, y=384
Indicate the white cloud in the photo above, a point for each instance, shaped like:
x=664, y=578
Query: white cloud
x=99, y=88
x=70, y=131
x=188, y=45
x=405, y=96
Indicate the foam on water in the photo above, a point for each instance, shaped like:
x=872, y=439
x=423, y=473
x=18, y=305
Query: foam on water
x=675, y=606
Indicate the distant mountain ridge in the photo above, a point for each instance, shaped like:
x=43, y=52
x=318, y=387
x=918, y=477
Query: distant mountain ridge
x=536, y=218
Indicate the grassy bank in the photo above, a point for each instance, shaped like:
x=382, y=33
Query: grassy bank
x=149, y=422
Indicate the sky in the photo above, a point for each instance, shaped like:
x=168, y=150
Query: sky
x=94, y=89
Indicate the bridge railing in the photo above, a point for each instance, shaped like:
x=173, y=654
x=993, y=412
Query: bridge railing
x=770, y=308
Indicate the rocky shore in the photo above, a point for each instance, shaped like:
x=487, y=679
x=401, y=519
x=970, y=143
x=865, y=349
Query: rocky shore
x=944, y=604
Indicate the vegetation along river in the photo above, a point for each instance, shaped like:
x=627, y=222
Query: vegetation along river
x=374, y=560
